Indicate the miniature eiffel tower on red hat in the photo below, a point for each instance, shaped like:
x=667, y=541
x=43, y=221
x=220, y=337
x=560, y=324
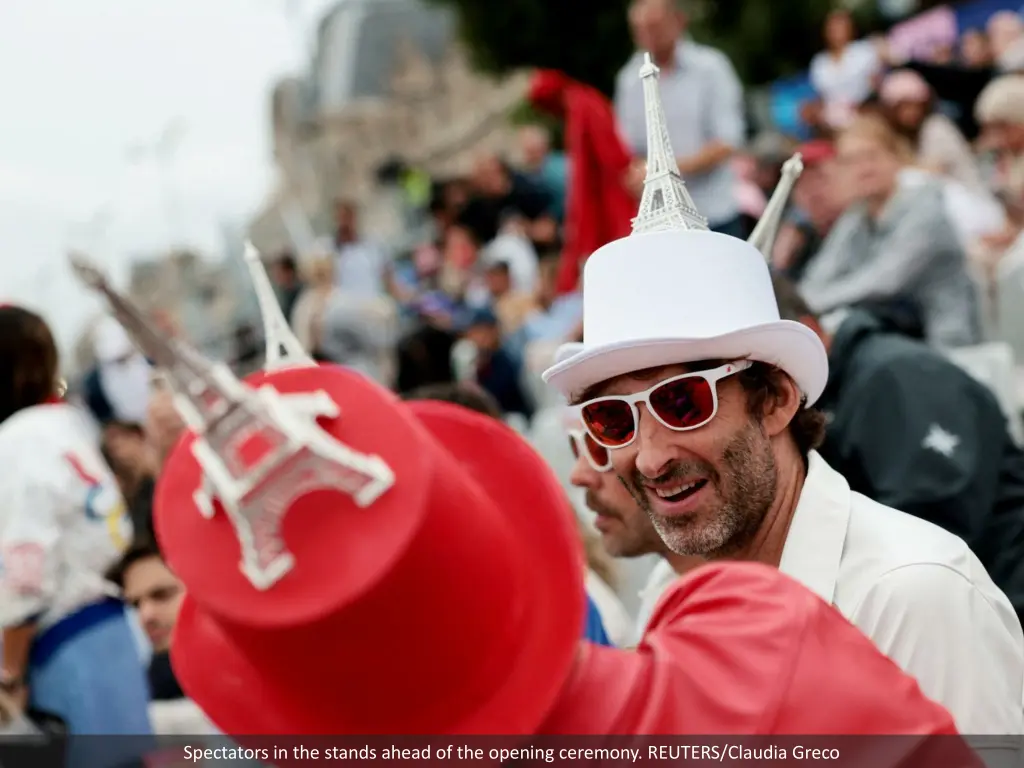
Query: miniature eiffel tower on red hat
x=259, y=450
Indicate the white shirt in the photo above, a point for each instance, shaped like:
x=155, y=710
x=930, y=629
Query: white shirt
x=63, y=522
x=660, y=579
x=845, y=82
x=919, y=593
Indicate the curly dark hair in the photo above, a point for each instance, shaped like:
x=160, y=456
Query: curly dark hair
x=28, y=361
x=764, y=385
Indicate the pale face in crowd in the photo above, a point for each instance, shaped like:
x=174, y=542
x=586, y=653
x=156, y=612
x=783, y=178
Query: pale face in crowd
x=706, y=490
x=867, y=167
x=625, y=529
x=156, y=593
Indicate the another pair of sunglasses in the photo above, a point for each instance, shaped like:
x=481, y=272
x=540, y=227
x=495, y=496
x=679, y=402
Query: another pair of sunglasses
x=597, y=456
x=681, y=403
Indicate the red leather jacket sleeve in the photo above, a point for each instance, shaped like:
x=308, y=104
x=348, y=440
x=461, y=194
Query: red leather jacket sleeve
x=742, y=649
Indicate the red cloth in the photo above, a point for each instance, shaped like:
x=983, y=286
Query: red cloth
x=599, y=208
x=739, y=648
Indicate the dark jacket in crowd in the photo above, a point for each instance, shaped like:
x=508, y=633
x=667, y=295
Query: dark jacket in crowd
x=913, y=431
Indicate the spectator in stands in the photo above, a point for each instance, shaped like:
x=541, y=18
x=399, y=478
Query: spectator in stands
x=117, y=387
x=284, y=273
x=975, y=51
x=476, y=399
x=360, y=265
x=894, y=248
x=624, y=528
x=938, y=145
x=148, y=585
x=703, y=101
x=307, y=318
x=131, y=458
x=68, y=648
x=908, y=428
x=555, y=317
x=1006, y=37
x=818, y=200
x=1000, y=111
x=504, y=200
x=163, y=426
x=845, y=73
x=600, y=203
x=499, y=370
x=544, y=167
x=512, y=307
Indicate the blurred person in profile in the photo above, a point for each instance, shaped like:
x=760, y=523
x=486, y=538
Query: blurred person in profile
x=894, y=249
x=624, y=528
x=148, y=585
x=910, y=429
x=599, y=570
x=703, y=101
x=68, y=648
x=844, y=73
x=908, y=103
x=600, y=203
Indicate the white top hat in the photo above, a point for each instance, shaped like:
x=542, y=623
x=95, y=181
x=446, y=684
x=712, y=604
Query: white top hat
x=674, y=292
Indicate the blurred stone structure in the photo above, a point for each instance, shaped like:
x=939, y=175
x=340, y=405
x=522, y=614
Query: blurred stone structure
x=205, y=300
x=388, y=81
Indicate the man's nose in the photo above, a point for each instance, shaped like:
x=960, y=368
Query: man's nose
x=583, y=475
x=654, y=445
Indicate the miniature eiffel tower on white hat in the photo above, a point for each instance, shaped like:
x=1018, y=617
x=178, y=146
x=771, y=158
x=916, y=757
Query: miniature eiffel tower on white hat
x=767, y=229
x=665, y=204
x=259, y=450
x=284, y=350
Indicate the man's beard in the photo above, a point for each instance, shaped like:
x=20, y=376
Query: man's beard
x=745, y=489
x=633, y=542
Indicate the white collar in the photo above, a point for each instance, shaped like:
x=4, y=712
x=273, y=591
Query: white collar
x=817, y=533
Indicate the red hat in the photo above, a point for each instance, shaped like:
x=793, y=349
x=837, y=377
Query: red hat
x=434, y=609
x=353, y=563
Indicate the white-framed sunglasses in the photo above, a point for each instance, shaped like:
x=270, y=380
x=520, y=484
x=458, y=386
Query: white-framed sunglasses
x=680, y=403
x=597, y=456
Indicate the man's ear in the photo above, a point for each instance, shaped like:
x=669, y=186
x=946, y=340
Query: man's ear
x=781, y=409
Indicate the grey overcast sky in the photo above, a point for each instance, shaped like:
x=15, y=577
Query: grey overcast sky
x=86, y=85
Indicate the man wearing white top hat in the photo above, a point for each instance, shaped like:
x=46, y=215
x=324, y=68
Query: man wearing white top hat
x=704, y=397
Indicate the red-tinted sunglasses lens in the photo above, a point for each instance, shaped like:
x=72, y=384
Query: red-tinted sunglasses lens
x=597, y=452
x=610, y=421
x=684, y=403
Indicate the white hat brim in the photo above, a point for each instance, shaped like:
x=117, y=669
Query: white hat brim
x=788, y=345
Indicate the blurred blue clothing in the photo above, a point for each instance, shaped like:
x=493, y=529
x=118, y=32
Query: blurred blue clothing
x=594, y=630
x=553, y=178
x=556, y=323
x=85, y=670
